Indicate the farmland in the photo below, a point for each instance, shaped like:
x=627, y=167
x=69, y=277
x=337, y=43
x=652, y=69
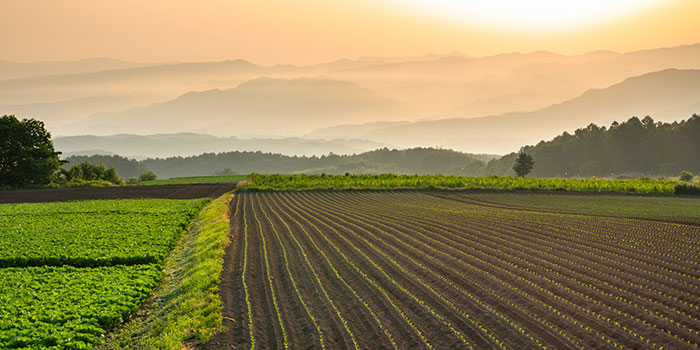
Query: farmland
x=194, y=180
x=71, y=271
x=93, y=233
x=448, y=270
x=301, y=182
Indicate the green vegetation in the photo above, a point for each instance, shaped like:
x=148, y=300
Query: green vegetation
x=421, y=161
x=126, y=168
x=686, y=189
x=147, y=176
x=123, y=243
x=86, y=174
x=194, y=180
x=67, y=307
x=389, y=181
x=186, y=305
x=92, y=233
x=686, y=176
x=523, y=164
x=632, y=147
x=27, y=155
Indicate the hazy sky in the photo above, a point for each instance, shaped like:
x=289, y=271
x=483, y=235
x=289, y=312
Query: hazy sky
x=311, y=31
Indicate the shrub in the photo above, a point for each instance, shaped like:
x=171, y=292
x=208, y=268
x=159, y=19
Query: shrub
x=148, y=176
x=686, y=176
x=686, y=189
x=86, y=172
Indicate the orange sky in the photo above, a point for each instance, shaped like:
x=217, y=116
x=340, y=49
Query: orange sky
x=305, y=31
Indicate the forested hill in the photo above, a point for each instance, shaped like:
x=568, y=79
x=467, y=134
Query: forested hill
x=423, y=161
x=635, y=147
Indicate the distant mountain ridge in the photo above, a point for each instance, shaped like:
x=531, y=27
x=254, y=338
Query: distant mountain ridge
x=648, y=94
x=443, y=86
x=263, y=106
x=190, y=144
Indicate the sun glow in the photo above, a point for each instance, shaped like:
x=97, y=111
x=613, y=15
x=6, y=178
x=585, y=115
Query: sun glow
x=534, y=14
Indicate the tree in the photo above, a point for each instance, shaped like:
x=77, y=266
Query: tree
x=147, y=176
x=686, y=176
x=27, y=155
x=88, y=172
x=523, y=164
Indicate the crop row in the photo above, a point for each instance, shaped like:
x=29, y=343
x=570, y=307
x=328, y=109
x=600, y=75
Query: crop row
x=493, y=226
x=421, y=271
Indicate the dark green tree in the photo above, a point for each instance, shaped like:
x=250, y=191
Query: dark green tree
x=89, y=172
x=27, y=155
x=523, y=164
x=148, y=176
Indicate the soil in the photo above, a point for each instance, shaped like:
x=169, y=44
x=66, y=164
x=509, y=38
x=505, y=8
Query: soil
x=365, y=263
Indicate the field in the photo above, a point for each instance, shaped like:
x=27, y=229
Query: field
x=122, y=192
x=195, y=180
x=449, y=270
x=93, y=233
x=70, y=271
x=390, y=181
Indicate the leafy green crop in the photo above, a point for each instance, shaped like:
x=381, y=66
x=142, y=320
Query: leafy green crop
x=68, y=307
x=92, y=233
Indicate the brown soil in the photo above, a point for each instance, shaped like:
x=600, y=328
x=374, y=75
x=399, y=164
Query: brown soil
x=122, y=192
x=381, y=259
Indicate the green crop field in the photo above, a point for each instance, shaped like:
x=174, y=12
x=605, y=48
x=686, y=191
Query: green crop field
x=390, y=181
x=71, y=271
x=68, y=307
x=93, y=233
x=195, y=180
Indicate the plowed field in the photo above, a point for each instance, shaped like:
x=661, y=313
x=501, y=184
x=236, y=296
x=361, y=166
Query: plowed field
x=412, y=270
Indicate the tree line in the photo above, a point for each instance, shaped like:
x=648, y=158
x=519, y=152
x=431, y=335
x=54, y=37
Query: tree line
x=631, y=148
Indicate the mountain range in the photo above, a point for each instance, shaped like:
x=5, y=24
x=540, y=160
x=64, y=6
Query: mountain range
x=513, y=98
x=666, y=95
x=190, y=144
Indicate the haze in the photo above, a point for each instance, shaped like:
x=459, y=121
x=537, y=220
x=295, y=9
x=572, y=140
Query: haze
x=349, y=76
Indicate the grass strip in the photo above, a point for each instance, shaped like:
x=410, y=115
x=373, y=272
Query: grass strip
x=185, y=307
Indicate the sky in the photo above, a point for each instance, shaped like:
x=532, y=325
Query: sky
x=312, y=31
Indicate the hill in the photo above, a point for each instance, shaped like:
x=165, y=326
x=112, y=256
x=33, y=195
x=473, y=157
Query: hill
x=635, y=147
x=632, y=147
x=433, y=86
x=411, y=161
x=263, y=106
x=189, y=144
x=665, y=95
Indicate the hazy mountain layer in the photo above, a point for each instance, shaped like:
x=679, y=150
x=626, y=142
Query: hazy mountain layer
x=260, y=107
x=187, y=144
x=433, y=86
x=634, y=147
x=666, y=95
x=14, y=70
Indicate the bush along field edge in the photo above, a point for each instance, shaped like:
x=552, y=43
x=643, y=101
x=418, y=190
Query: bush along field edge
x=185, y=307
x=302, y=182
